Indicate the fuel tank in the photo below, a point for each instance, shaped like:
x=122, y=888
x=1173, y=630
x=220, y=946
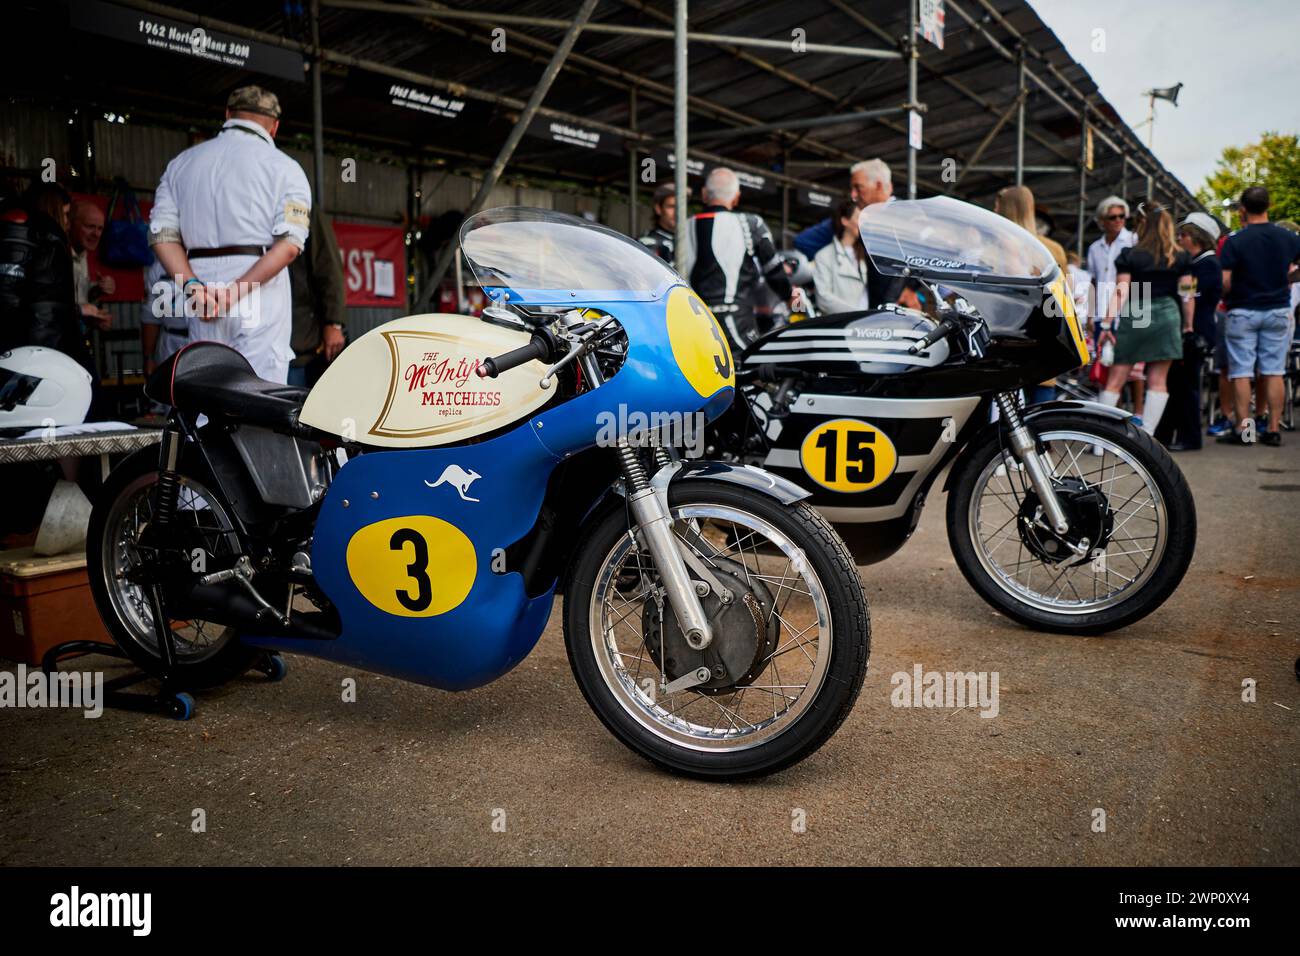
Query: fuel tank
x=411, y=383
x=862, y=424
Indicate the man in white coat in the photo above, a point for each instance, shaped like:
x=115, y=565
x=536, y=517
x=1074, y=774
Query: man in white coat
x=229, y=215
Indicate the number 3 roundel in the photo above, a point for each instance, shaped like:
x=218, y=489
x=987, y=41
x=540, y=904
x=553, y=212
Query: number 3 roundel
x=698, y=343
x=848, y=455
x=415, y=566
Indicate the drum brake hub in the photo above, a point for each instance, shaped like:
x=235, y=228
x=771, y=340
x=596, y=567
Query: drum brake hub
x=745, y=633
x=1091, y=523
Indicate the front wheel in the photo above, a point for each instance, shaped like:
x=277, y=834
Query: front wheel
x=791, y=635
x=1132, y=527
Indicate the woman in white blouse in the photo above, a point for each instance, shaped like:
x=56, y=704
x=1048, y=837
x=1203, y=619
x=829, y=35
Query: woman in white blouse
x=840, y=269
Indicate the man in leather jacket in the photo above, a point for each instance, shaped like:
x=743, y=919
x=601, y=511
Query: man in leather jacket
x=38, y=304
x=660, y=238
x=727, y=252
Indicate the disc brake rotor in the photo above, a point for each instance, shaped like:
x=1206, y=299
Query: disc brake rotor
x=745, y=633
x=1086, y=509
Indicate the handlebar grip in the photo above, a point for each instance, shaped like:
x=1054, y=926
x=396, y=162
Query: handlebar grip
x=538, y=348
x=940, y=331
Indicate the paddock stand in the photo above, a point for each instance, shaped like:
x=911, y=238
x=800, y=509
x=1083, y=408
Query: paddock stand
x=169, y=700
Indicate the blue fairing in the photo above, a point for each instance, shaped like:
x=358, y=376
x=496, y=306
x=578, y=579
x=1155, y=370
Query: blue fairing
x=490, y=626
x=497, y=624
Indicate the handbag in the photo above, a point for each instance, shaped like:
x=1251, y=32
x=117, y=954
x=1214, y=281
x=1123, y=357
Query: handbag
x=126, y=241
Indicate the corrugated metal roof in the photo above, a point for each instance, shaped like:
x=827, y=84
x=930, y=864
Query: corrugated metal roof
x=965, y=88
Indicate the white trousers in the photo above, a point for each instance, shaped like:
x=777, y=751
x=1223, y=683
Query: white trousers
x=262, y=323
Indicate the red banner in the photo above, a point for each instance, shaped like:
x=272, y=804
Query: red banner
x=374, y=263
x=130, y=282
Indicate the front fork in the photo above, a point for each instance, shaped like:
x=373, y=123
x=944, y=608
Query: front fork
x=648, y=501
x=1025, y=447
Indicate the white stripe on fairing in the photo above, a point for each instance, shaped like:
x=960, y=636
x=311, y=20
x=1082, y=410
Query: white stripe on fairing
x=959, y=409
x=813, y=333
x=858, y=345
x=891, y=358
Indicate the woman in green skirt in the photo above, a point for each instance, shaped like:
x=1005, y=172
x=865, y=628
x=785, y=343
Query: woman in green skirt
x=1149, y=309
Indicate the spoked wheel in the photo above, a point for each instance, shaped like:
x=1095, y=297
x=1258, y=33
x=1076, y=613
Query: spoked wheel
x=207, y=654
x=1131, y=537
x=790, y=635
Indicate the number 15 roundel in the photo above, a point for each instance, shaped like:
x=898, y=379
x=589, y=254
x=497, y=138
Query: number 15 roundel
x=848, y=455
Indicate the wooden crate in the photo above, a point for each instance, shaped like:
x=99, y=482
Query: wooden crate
x=45, y=601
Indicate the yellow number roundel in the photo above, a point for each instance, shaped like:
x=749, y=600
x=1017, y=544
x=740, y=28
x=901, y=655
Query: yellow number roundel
x=848, y=455
x=698, y=343
x=413, y=566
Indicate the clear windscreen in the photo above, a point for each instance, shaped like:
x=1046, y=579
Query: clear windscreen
x=545, y=257
x=946, y=239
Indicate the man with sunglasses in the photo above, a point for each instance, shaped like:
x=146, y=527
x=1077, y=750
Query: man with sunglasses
x=1115, y=238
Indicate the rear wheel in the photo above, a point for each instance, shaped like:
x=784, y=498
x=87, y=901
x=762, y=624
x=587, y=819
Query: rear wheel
x=1132, y=527
x=207, y=654
x=791, y=635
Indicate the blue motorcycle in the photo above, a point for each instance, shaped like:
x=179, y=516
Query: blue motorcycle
x=418, y=511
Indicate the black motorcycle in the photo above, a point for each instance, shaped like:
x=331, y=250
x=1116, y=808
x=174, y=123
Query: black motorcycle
x=1065, y=515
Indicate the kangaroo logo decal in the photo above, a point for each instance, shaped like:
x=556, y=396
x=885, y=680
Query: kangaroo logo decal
x=458, y=478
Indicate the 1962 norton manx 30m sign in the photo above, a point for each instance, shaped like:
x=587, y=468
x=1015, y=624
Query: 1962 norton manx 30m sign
x=418, y=511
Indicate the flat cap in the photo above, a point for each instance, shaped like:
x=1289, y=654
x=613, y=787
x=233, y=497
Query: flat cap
x=254, y=99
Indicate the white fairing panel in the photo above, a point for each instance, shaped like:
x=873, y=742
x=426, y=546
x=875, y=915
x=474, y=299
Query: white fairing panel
x=411, y=383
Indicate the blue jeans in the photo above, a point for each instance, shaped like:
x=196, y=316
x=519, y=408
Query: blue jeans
x=1258, y=340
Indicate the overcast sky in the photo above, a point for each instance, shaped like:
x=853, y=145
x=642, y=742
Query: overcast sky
x=1238, y=61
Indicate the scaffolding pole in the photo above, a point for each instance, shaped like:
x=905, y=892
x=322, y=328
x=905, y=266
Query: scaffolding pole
x=317, y=110
x=913, y=55
x=680, y=135
x=1020, y=116
x=631, y=165
x=807, y=122
x=1083, y=174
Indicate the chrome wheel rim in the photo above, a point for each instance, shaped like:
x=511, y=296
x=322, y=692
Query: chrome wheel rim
x=1108, y=576
x=791, y=675
x=205, y=523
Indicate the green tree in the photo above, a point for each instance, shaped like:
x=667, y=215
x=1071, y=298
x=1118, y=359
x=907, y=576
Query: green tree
x=1273, y=162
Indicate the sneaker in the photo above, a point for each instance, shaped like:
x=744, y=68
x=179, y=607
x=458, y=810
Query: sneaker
x=1137, y=420
x=1270, y=438
x=1233, y=437
x=1220, y=426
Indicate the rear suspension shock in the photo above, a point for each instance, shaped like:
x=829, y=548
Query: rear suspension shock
x=167, y=491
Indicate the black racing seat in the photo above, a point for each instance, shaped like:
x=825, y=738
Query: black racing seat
x=216, y=380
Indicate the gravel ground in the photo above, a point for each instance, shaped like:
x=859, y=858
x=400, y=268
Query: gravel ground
x=1147, y=724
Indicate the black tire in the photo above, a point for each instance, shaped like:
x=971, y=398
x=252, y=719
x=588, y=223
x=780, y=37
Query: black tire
x=1179, y=547
x=228, y=661
x=850, y=637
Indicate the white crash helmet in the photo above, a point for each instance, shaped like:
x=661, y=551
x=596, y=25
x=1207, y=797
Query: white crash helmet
x=41, y=387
